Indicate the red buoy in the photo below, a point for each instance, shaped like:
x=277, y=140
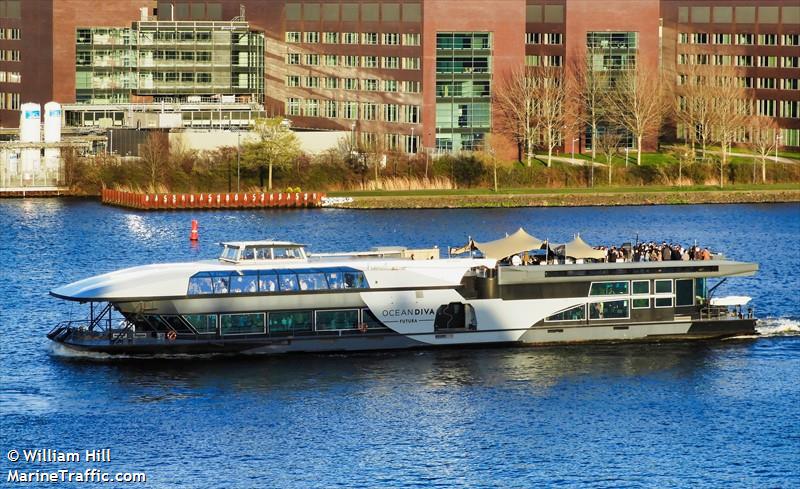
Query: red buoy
x=193, y=236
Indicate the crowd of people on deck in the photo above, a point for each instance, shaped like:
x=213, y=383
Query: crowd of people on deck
x=653, y=251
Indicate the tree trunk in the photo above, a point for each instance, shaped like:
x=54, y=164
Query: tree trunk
x=495, y=174
x=639, y=150
x=549, y=155
x=763, y=169
x=528, y=150
x=269, y=177
x=594, y=141
x=722, y=168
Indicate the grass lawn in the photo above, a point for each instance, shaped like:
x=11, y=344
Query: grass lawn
x=561, y=191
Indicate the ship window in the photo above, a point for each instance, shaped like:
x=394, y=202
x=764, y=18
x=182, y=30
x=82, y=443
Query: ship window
x=370, y=319
x=684, y=292
x=641, y=303
x=175, y=323
x=700, y=288
x=242, y=323
x=230, y=253
x=577, y=313
x=641, y=287
x=288, y=282
x=280, y=253
x=262, y=252
x=609, y=288
x=202, y=323
x=455, y=315
x=355, y=280
x=289, y=322
x=609, y=310
x=663, y=301
x=312, y=281
x=247, y=283
x=249, y=253
x=200, y=284
x=663, y=286
x=333, y=320
x=221, y=284
x=335, y=280
x=267, y=282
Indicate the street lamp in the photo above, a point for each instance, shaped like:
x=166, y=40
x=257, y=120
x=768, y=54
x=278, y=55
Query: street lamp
x=238, y=158
x=626, y=155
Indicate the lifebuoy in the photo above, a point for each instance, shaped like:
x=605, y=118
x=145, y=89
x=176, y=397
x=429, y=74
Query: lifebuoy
x=171, y=335
x=362, y=327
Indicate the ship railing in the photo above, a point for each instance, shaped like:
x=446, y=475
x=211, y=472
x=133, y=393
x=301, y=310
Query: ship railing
x=710, y=312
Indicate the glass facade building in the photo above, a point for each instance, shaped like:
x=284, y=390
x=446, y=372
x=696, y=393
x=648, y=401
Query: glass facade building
x=174, y=60
x=463, y=90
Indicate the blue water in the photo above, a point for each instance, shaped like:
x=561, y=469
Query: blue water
x=717, y=414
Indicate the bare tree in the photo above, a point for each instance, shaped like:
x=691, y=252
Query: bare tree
x=549, y=84
x=515, y=98
x=694, y=105
x=763, y=140
x=590, y=85
x=608, y=143
x=154, y=154
x=730, y=114
x=636, y=101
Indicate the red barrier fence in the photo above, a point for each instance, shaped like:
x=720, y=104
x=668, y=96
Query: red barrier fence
x=211, y=200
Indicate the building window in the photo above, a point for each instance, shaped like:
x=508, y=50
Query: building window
x=390, y=112
x=330, y=60
x=350, y=110
x=723, y=39
x=351, y=83
x=745, y=39
x=349, y=37
x=411, y=39
x=389, y=85
x=699, y=38
x=312, y=59
x=312, y=37
x=790, y=62
x=683, y=38
x=293, y=36
x=331, y=109
x=789, y=109
x=765, y=107
x=553, y=38
x=330, y=38
x=533, y=38
x=790, y=39
x=410, y=63
x=391, y=38
x=369, y=111
x=790, y=84
x=369, y=61
x=371, y=85
x=331, y=82
x=411, y=114
x=312, y=81
x=767, y=61
x=350, y=61
x=293, y=106
x=411, y=86
x=292, y=58
x=768, y=39
x=369, y=38
x=391, y=62
x=312, y=109
x=766, y=83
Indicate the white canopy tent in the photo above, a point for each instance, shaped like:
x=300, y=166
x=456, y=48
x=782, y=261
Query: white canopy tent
x=579, y=249
x=513, y=244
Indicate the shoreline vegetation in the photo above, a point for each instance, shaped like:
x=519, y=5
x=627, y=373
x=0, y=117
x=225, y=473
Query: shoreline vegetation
x=570, y=197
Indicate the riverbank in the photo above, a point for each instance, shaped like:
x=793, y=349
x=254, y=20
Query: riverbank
x=569, y=197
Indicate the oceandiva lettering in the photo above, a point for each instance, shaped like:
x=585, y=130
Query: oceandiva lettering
x=407, y=312
x=407, y=315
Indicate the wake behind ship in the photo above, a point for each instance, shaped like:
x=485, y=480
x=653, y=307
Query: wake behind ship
x=266, y=297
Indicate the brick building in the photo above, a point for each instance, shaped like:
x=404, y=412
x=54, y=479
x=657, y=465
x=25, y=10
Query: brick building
x=414, y=74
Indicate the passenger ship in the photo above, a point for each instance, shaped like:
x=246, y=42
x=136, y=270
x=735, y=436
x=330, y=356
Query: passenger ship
x=267, y=297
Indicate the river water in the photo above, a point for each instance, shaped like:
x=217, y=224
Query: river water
x=713, y=414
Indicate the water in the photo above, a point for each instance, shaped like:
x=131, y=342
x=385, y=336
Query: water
x=723, y=413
